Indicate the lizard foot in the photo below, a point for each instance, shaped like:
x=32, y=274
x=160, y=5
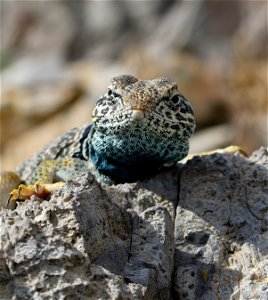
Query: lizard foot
x=42, y=190
x=227, y=150
x=233, y=149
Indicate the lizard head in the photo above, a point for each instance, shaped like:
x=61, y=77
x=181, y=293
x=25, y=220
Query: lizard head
x=129, y=101
x=139, y=120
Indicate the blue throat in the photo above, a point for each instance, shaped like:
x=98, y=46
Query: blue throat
x=123, y=172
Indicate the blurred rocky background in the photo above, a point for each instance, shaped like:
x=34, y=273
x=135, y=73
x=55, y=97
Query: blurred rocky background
x=57, y=58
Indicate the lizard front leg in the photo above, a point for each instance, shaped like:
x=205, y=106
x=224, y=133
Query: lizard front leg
x=49, y=177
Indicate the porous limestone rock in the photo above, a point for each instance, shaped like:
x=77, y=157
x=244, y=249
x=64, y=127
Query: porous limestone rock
x=195, y=231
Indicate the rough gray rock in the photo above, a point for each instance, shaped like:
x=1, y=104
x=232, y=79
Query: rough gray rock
x=98, y=242
x=221, y=228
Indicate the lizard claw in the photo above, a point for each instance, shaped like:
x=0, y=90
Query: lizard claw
x=12, y=200
x=23, y=192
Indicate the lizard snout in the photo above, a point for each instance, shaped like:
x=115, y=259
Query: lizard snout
x=137, y=113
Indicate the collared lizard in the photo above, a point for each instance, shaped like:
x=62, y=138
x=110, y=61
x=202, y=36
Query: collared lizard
x=138, y=126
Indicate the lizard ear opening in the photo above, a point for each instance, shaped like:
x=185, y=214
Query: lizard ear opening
x=120, y=82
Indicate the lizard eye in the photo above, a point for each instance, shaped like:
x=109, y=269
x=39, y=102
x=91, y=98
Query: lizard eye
x=109, y=94
x=175, y=99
